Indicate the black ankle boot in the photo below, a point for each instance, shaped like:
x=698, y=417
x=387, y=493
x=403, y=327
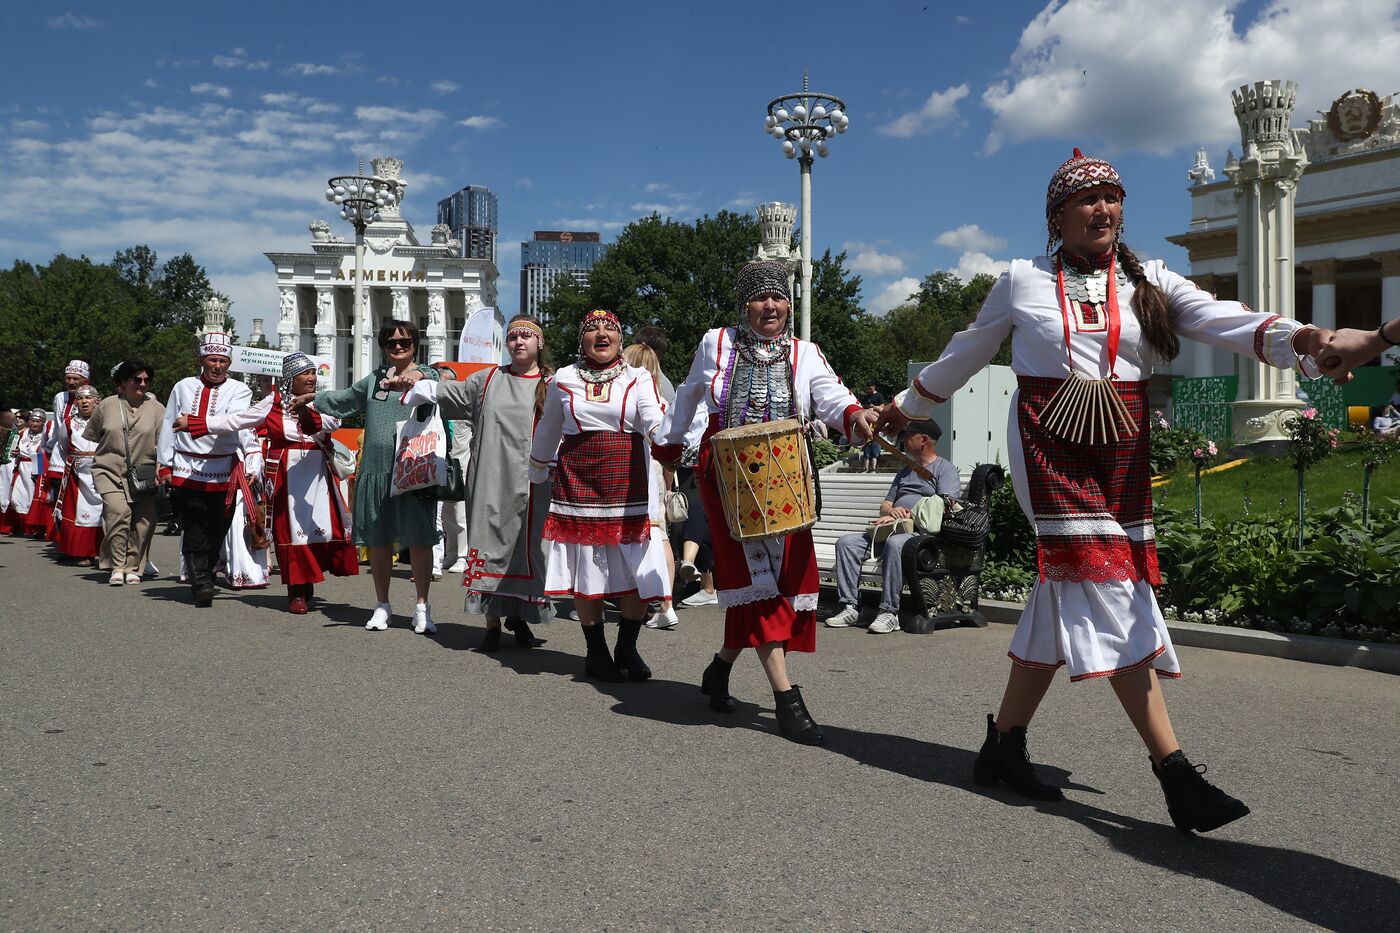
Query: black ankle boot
x=203, y=590
x=523, y=636
x=626, y=654
x=793, y=719
x=1004, y=758
x=598, y=662
x=490, y=642
x=1192, y=801
x=714, y=683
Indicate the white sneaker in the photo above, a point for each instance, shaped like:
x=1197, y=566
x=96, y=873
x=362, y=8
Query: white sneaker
x=700, y=598
x=689, y=572
x=133, y=578
x=380, y=620
x=458, y=566
x=437, y=574
x=843, y=619
x=885, y=623
x=667, y=618
x=423, y=618
x=116, y=579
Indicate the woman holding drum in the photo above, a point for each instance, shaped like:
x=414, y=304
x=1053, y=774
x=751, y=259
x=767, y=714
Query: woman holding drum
x=593, y=440
x=760, y=385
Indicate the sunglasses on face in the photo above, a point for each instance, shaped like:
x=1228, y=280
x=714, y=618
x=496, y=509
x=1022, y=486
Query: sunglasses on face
x=398, y=343
x=141, y=380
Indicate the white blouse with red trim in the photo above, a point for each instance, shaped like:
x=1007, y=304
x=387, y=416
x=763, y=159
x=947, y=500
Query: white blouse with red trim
x=206, y=462
x=818, y=390
x=1025, y=304
x=629, y=403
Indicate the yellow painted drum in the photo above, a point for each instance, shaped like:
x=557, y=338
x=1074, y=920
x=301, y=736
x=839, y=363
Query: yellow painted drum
x=765, y=479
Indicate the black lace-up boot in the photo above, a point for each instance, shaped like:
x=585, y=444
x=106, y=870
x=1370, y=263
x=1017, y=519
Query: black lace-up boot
x=598, y=662
x=1193, y=802
x=523, y=636
x=1004, y=758
x=626, y=656
x=793, y=719
x=714, y=683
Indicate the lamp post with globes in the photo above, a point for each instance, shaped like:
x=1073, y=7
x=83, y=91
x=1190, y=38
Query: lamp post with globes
x=360, y=197
x=805, y=122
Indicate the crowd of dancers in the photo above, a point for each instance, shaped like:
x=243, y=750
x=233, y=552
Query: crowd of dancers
x=568, y=467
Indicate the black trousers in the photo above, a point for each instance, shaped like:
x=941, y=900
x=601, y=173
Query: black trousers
x=202, y=517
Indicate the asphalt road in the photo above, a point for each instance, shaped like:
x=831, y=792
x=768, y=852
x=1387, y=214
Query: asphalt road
x=239, y=768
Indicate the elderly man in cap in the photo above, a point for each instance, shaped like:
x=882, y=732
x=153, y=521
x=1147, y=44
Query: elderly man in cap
x=201, y=470
x=920, y=440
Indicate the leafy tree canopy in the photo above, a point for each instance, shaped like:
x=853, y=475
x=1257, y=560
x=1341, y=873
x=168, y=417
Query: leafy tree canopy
x=102, y=313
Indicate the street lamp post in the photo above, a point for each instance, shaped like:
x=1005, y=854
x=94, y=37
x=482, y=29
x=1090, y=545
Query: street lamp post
x=805, y=122
x=360, y=197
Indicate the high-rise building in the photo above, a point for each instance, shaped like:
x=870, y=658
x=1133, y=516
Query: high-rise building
x=549, y=255
x=472, y=215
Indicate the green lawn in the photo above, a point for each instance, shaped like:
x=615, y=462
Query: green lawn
x=1272, y=487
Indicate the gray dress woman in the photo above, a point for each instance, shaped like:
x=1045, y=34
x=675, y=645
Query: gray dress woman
x=505, y=571
x=378, y=518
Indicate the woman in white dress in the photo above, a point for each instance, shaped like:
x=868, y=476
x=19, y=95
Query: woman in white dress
x=79, y=505
x=22, y=474
x=593, y=439
x=1079, y=450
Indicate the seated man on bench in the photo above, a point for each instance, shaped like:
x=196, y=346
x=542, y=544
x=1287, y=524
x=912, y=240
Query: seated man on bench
x=920, y=438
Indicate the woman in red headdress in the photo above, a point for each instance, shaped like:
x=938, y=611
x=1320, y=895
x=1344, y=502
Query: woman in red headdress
x=1086, y=322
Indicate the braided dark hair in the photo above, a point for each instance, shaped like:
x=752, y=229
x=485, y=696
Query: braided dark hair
x=1150, y=304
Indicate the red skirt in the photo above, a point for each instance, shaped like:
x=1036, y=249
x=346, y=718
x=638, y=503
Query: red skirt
x=772, y=619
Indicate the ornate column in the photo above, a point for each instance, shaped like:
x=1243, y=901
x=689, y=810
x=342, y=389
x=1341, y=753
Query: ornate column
x=1324, y=292
x=325, y=325
x=1390, y=296
x=437, y=325
x=1266, y=179
x=1203, y=354
x=287, y=319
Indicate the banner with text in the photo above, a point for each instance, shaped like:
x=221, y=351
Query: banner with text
x=264, y=361
x=483, y=338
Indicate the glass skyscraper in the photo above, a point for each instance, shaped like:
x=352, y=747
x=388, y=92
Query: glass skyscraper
x=549, y=255
x=472, y=215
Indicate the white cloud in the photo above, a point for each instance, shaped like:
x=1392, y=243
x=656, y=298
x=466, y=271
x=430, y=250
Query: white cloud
x=444, y=87
x=481, y=123
x=297, y=101
x=940, y=108
x=587, y=223
x=237, y=59
x=526, y=183
x=969, y=237
x=654, y=186
x=868, y=260
x=205, y=87
x=743, y=201
x=308, y=69
x=895, y=294
x=388, y=79
x=976, y=263
x=1088, y=73
x=73, y=21
x=28, y=126
x=152, y=82
x=962, y=20
x=665, y=210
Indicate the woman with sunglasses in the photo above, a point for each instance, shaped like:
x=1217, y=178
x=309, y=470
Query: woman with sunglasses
x=379, y=519
x=125, y=427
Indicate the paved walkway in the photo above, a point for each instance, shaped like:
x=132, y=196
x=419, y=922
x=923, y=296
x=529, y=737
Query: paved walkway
x=239, y=768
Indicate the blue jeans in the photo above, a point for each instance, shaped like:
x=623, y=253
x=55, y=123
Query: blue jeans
x=850, y=554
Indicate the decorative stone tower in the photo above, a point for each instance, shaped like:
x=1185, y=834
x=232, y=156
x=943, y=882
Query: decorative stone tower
x=215, y=316
x=775, y=222
x=1265, y=179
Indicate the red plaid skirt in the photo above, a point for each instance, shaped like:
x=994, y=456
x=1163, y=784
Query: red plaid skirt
x=1092, y=504
x=600, y=490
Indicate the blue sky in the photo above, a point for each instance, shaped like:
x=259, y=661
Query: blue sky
x=212, y=127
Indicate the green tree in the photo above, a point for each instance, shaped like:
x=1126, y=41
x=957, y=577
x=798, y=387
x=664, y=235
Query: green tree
x=943, y=306
x=676, y=275
x=102, y=313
